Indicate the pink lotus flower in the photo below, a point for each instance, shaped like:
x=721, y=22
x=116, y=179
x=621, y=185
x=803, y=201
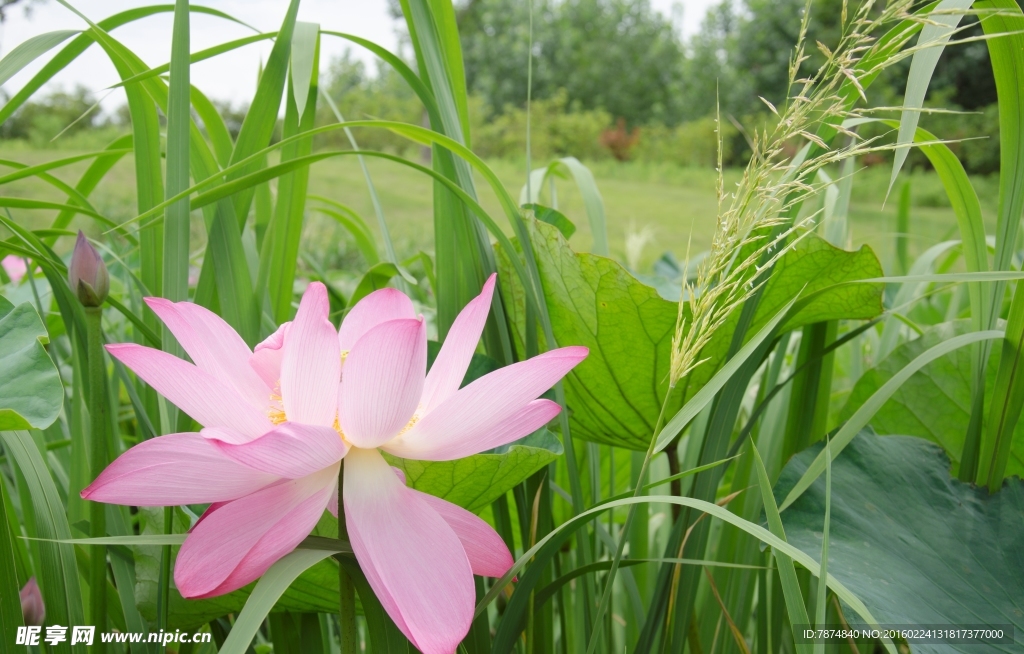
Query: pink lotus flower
x=278, y=421
x=14, y=266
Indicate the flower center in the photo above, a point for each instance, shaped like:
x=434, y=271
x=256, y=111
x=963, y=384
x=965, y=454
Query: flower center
x=276, y=410
x=276, y=414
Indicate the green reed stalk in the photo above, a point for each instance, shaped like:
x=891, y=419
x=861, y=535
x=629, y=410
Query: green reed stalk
x=637, y=490
x=98, y=461
x=349, y=632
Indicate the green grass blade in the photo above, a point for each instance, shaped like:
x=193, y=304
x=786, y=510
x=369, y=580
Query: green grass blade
x=820, y=606
x=864, y=414
x=259, y=122
x=75, y=198
x=280, y=250
x=93, y=175
x=787, y=572
x=1007, y=398
x=29, y=171
x=305, y=52
x=354, y=225
x=131, y=540
x=124, y=575
x=268, y=590
x=535, y=556
x=58, y=569
x=382, y=634
x=933, y=39
x=464, y=258
x=228, y=263
x=903, y=229
x=451, y=49
x=593, y=204
x=213, y=123
x=378, y=209
x=1008, y=68
x=79, y=44
x=424, y=93
x=148, y=161
x=967, y=208
x=30, y=50
x=911, y=291
x=10, y=611
x=179, y=120
x=26, y=203
x=196, y=57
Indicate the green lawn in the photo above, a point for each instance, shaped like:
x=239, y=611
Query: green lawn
x=672, y=202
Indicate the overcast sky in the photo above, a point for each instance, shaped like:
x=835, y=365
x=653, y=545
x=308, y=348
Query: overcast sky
x=230, y=76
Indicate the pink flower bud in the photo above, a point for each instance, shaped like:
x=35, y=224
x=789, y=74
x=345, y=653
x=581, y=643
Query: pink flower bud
x=87, y=274
x=14, y=266
x=32, y=607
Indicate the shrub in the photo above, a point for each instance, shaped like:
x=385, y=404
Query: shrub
x=556, y=129
x=689, y=144
x=620, y=141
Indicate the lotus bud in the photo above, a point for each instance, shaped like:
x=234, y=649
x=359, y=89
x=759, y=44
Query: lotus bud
x=14, y=266
x=32, y=608
x=87, y=274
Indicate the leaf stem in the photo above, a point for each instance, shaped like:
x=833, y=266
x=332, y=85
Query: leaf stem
x=346, y=589
x=98, y=461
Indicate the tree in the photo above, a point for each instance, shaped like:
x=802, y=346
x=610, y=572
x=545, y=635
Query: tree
x=620, y=56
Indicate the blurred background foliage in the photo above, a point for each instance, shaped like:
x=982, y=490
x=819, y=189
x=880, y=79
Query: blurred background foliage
x=601, y=66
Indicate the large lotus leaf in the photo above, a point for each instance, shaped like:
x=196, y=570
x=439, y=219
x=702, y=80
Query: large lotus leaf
x=935, y=403
x=30, y=390
x=476, y=481
x=616, y=393
x=914, y=544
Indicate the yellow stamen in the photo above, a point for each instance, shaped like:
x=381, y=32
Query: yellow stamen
x=275, y=412
x=412, y=422
x=276, y=416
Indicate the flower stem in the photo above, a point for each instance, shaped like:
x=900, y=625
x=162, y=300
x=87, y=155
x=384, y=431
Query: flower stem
x=97, y=461
x=346, y=589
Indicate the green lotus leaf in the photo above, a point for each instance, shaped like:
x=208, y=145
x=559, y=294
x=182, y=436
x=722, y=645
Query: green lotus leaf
x=616, y=393
x=30, y=390
x=914, y=544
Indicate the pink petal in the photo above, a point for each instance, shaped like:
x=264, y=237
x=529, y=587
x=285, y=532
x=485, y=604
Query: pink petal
x=447, y=439
x=413, y=560
x=266, y=359
x=491, y=411
x=210, y=401
x=376, y=308
x=452, y=361
x=488, y=555
x=214, y=346
x=383, y=382
x=225, y=435
x=292, y=450
x=332, y=504
x=238, y=542
x=311, y=367
x=206, y=514
x=172, y=470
